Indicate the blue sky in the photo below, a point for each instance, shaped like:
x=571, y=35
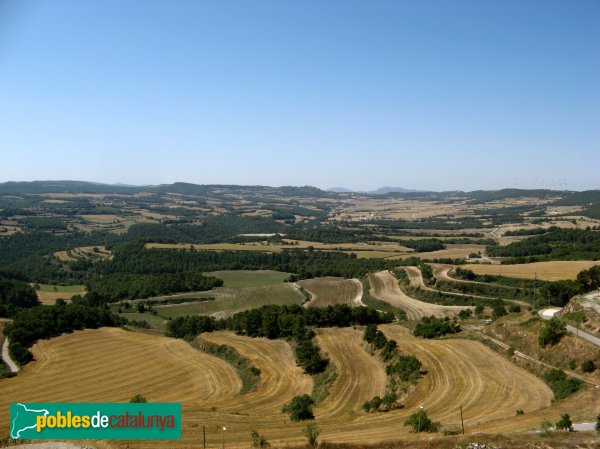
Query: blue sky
x=425, y=94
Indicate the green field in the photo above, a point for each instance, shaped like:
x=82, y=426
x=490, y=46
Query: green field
x=155, y=322
x=244, y=278
x=231, y=300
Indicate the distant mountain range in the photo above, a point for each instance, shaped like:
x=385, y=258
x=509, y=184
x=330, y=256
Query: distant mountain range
x=380, y=191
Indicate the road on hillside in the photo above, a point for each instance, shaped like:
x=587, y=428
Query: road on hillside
x=6, y=358
x=549, y=313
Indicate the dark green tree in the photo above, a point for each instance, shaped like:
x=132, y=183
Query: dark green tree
x=552, y=332
x=565, y=423
x=300, y=408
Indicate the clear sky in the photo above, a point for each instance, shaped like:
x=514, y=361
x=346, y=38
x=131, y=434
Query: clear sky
x=424, y=94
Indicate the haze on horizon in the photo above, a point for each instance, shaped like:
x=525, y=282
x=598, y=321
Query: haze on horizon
x=428, y=95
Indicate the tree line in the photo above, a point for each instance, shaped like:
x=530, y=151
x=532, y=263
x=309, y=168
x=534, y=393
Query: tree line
x=559, y=244
x=14, y=296
x=30, y=325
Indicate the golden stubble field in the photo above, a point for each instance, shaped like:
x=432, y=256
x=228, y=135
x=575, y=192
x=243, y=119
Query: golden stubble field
x=113, y=365
x=328, y=291
x=547, y=271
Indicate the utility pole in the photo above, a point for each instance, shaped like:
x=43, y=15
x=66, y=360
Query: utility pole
x=462, y=422
x=534, y=285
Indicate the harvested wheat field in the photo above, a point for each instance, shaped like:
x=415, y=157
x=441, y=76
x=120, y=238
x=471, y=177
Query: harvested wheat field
x=384, y=286
x=280, y=378
x=547, y=271
x=329, y=291
x=112, y=365
x=360, y=376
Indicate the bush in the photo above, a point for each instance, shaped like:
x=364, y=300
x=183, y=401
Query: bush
x=565, y=423
x=311, y=432
x=588, y=366
x=465, y=314
x=552, y=332
x=300, y=408
x=514, y=308
x=431, y=327
x=138, y=399
x=420, y=422
x=498, y=312
x=408, y=368
x=258, y=440
x=561, y=385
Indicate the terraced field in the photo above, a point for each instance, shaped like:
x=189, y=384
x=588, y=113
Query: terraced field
x=231, y=300
x=360, y=375
x=547, y=271
x=384, y=286
x=328, y=291
x=113, y=365
x=249, y=278
x=281, y=379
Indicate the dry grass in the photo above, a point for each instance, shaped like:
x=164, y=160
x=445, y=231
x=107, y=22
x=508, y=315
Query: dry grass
x=384, y=286
x=48, y=294
x=329, y=291
x=548, y=271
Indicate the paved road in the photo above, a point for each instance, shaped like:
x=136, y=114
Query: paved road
x=6, y=357
x=549, y=313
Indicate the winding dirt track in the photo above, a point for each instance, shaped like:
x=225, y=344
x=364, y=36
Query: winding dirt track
x=384, y=286
x=328, y=291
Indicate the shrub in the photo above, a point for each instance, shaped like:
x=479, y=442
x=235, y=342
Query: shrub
x=465, y=314
x=311, y=432
x=431, y=327
x=258, y=440
x=562, y=385
x=498, y=312
x=138, y=399
x=300, y=408
x=420, y=422
x=588, y=366
x=408, y=368
x=552, y=332
x=565, y=423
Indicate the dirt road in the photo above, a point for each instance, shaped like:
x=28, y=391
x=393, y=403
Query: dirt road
x=14, y=368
